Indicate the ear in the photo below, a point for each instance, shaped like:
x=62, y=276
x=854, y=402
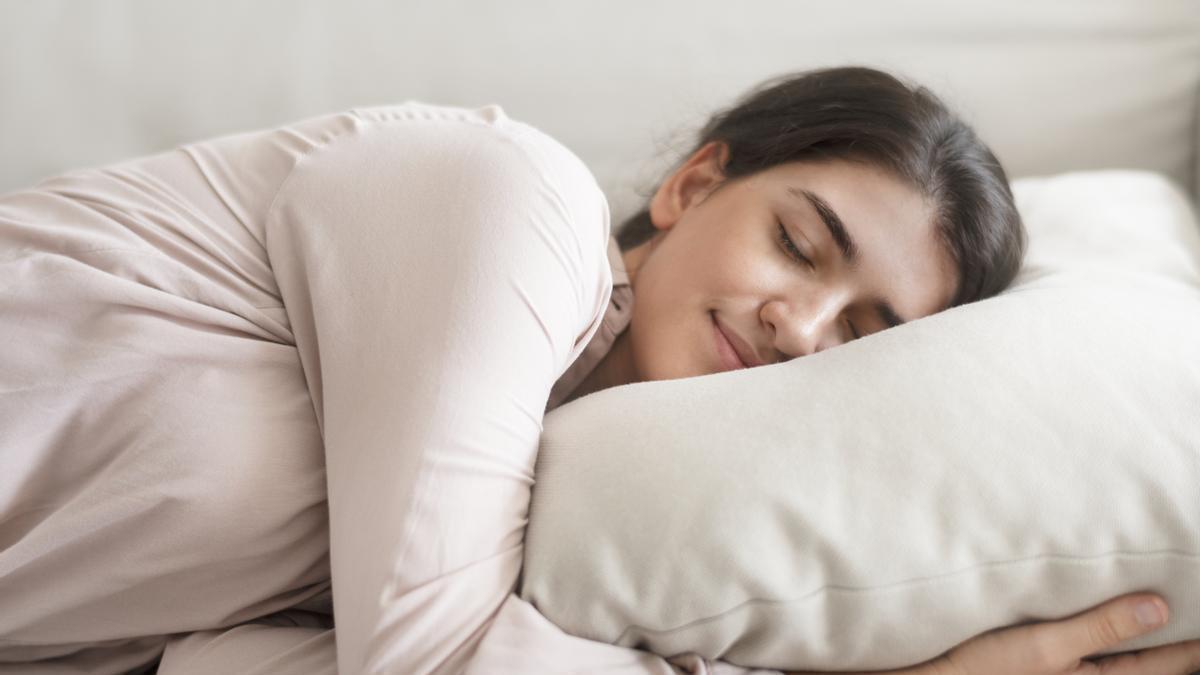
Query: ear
x=689, y=184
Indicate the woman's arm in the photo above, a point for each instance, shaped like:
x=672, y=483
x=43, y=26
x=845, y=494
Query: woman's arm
x=440, y=272
x=1061, y=647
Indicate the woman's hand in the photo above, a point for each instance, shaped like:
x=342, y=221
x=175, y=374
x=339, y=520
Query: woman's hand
x=1062, y=647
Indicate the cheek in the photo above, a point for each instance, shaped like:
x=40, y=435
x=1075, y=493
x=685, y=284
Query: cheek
x=665, y=344
x=649, y=336
x=677, y=287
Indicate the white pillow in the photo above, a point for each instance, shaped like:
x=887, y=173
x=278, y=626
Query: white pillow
x=869, y=507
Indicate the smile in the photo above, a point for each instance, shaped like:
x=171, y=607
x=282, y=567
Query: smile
x=725, y=350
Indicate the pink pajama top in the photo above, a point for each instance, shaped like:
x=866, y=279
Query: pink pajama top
x=615, y=319
x=276, y=375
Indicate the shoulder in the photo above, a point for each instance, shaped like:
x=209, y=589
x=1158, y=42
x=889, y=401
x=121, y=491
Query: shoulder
x=483, y=145
x=484, y=124
x=478, y=156
x=488, y=124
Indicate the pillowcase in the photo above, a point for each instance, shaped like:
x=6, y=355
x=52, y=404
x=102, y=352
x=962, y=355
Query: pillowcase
x=869, y=507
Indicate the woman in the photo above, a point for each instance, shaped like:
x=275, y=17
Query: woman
x=934, y=225
x=254, y=370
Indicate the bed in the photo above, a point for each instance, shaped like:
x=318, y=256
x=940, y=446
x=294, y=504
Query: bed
x=1060, y=88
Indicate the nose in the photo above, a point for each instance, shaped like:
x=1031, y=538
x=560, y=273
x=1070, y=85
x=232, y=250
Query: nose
x=804, y=326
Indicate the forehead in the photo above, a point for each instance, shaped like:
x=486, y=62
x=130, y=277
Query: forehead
x=900, y=256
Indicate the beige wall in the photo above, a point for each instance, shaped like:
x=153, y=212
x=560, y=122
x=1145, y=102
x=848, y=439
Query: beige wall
x=1053, y=86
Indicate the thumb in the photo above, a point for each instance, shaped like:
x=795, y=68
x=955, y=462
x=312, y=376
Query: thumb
x=1108, y=625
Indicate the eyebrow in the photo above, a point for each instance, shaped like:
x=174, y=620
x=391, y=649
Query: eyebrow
x=841, y=236
x=837, y=229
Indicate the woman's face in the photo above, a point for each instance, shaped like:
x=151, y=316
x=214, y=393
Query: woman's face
x=719, y=269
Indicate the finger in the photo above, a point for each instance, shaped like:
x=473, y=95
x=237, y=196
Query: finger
x=1180, y=658
x=1100, y=628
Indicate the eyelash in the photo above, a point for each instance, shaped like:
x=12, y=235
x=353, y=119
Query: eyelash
x=854, y=334
x=790, y=247
x=794, y=252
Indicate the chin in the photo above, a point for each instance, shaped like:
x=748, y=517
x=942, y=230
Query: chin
x=674, y=367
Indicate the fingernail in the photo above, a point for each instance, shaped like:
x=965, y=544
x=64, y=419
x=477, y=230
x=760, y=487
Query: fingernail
x=1149, y=614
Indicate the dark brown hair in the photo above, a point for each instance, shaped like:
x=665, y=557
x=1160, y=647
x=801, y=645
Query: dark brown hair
x=862, y=114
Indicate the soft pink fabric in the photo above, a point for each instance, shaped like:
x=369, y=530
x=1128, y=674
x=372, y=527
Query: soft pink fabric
x=616, y=318
x=284, y=643
x=203, y=347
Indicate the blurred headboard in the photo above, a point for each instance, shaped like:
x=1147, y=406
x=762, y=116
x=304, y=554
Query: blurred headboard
x=1051, y=86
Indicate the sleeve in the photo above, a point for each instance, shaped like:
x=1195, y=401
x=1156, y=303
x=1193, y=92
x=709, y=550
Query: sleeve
x=246, y=170
x=439, y=275
x=521, y=640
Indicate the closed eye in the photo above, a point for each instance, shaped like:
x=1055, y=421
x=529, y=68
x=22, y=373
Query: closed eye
x=790, y=247
x=794, y=252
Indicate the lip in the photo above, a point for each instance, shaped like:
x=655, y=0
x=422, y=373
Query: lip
x=734, y=354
